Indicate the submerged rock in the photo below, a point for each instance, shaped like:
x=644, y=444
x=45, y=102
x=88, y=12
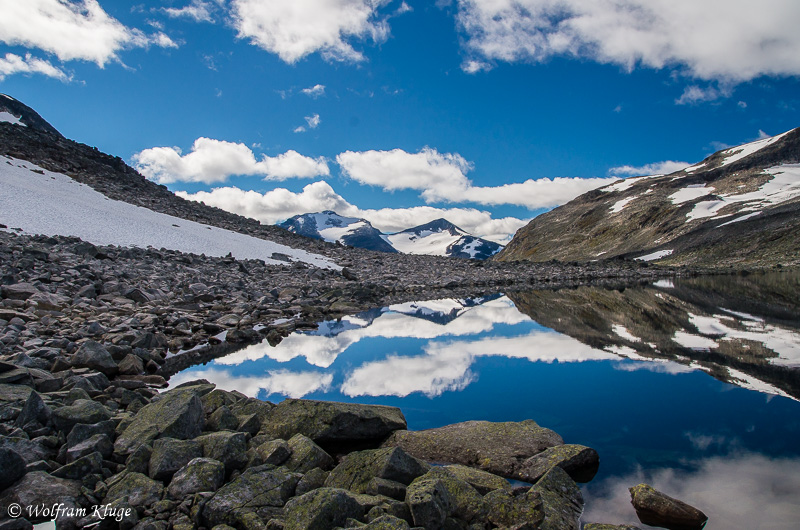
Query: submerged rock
x=496, y=447
x=328, y=422
x=657, y=509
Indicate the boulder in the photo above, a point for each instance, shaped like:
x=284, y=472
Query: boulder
x=169, y=455
x=200, y=474
x=99, y=443
x=580, y=463
x=39, y=488
x=177, y=414
x=274, y=452
x=482, y=481
x=514, y=509
x=311, y=480
x=81, y=411
x=94, y=355
x=258, y=491
x=465, y=503
x=387, y=488
x=33, y=412
x=222, y=419
x=12, y=467
x=562, y=501
x=429, y=502
x=386, y=522
x=357, y=469
x=496, y=447
x=138, y=489
x=321, y=509
x=18, y=291
x=306, y=455
x=82, y=467
x=230, y=448
x=657, y=509
x=332, y=423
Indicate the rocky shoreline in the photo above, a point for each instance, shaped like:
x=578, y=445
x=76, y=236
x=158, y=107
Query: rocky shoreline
x=88, y=336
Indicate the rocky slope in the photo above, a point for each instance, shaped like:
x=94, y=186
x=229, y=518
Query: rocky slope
x=738, y=207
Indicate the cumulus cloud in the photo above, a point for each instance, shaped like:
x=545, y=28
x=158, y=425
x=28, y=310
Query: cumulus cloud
x=314, y=91
x=657, y=168
x=284, y=382
x=313, y=121
x=280, y=204
x=14, y=64
x=733, y=40
x=198, y=10
x=441, y=177
x=215, y=160
x=71, y=30
x=293, y=30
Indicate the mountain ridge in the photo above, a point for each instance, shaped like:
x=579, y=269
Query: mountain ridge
x=739, y=206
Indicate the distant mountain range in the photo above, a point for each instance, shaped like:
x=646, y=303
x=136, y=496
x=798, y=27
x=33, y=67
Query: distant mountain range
x=437, y=238
x=740, y=206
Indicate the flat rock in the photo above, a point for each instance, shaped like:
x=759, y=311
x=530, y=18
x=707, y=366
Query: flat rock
x=657, y=509
x=328, y=422
x=482, y=481
x=496, y=447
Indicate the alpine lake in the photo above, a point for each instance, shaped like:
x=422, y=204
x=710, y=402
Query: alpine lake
x=691, y=385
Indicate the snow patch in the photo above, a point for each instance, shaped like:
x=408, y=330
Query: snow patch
x=623, y=332
x=44, y=202
x=664, y=284
x=737, y=153
x=656, y=255
x=690, y=193
x=742, y=218
x=10, y=118
x=619, y=205
x=623, y=185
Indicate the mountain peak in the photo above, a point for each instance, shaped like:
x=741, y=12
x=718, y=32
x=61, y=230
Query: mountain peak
x=15, y=112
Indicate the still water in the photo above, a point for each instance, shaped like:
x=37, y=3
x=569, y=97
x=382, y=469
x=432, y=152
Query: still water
x=690, y=385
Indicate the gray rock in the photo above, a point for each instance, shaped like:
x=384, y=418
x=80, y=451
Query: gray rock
x=169, y=455
x=34, y=411
x=139, y=460
x=465, y=503
x=388, y=488
x=131, y=365
x=200, y=474
x=84, y=431
x=306, y=455
x=99, y=443
x=562, y=501
x=217, y=398
x=482, y=481
x=429, y=502
x=12, y=467
x=518, y=509
x=274, y=452
x=138, y=489
x=230, y=448
x=257, y=492
x=81, y=411
x=19, y=291
x=496, y=447
x=222, y=419
x=321, y=509
x=30, y=451
x=94, y=355
x=357, y=469
x=657, y=509
x=387, y=522
x=80, y=468
x=39, y=488
x=326, y=422
x=311, y=480
x=177, y=414
x=580, y=463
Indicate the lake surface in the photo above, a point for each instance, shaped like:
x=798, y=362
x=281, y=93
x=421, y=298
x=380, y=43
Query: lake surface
x=690, y=385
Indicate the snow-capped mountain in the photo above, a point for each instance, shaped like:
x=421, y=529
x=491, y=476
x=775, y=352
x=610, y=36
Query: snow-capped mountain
x=436, y=238
x=442, y=238
x=739, y=206
x=332, y=227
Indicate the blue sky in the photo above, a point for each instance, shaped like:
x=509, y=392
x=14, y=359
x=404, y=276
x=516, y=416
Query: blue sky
x=486, y=112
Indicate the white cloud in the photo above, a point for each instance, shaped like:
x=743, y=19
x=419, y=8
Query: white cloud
x=441, y=177
x=280, y=204
x=215, y=160
x=295, y=29
x=657, y=168
x=14, y=64
x=284, y=382
x=198, y=10
x=71, y=30
x=313, y=121
x=314, y=91
x=299, y=129
x=693, y=95
x=733, y=40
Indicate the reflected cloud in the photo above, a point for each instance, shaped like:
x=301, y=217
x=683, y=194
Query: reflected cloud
x=284, y=382
x=746, y=490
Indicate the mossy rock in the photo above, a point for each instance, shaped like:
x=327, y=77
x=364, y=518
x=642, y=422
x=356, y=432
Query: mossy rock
x=321, y=509
x=387, y=522
x=357, y=469
x=81, y=411
x=562, y=500
x=657, y=509
x=306, y=455
x=482, y=481
x=200, y=474
x=580, y=463
x=496, y=447
x=511, y=509
x=328, y=422
x=139, y=489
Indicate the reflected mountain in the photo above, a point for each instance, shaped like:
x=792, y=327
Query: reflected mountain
x=741, y=330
